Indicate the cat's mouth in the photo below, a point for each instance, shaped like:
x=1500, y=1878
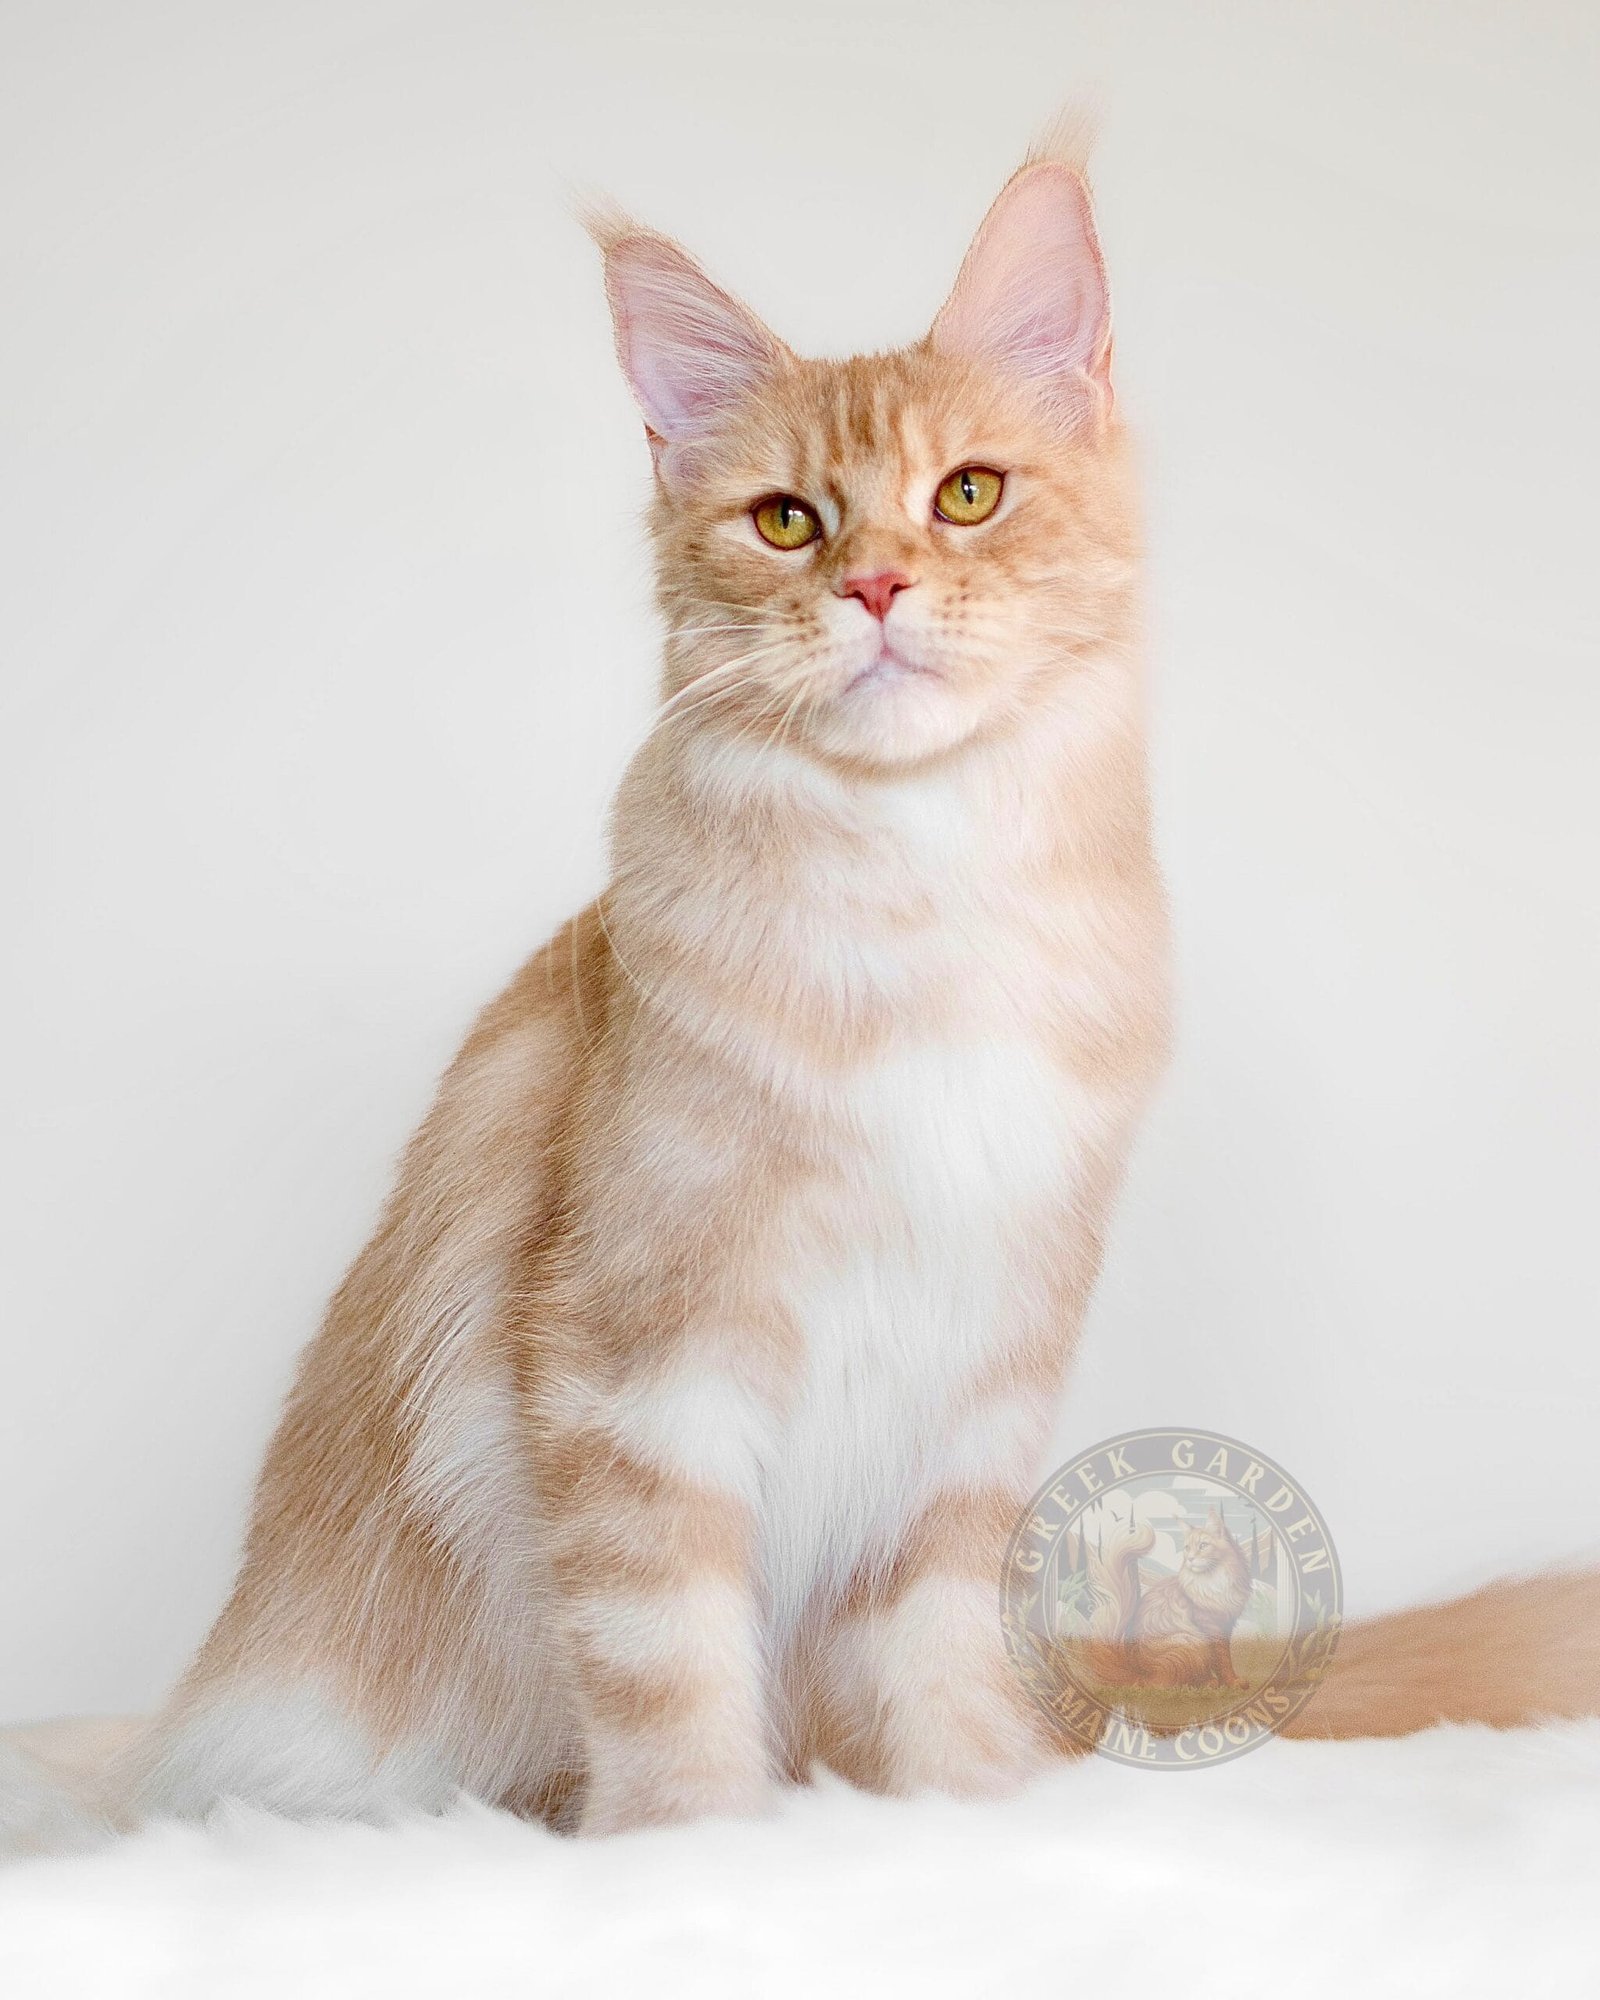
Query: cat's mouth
x=887, y=668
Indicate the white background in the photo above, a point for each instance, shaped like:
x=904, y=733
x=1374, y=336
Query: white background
x=325, y=632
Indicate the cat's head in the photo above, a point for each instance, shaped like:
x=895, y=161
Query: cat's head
x=1209, y=1545
x=879, y=559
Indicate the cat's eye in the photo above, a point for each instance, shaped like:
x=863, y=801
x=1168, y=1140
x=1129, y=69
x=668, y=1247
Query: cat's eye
x=969, y=496
x=785, y=522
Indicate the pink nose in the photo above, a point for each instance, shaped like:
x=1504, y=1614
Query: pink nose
x=877, y=593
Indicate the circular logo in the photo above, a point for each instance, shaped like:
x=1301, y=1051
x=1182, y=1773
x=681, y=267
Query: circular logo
x=1170, y=1598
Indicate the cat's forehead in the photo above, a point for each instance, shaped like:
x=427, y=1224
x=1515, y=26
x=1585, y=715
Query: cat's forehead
x=871, y=422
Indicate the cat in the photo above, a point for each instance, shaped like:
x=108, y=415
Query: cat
x=666, y=1438
x=664, y=1441
x=1173, y=1632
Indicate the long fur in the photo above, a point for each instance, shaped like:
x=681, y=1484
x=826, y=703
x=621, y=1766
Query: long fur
x=664, y=1441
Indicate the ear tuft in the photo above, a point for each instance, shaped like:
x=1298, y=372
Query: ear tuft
x=1031, y=297
x=690, y=351
x=1070, y=137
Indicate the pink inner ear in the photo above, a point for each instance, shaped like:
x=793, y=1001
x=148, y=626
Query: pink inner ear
x=1031, y=296
x=689, y=350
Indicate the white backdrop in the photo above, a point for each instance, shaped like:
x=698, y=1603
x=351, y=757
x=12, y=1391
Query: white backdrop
x=325, y=632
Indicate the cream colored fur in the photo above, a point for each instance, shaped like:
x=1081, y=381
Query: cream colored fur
x=664, y=1442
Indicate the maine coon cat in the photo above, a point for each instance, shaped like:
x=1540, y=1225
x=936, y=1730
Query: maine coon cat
x=665, y=1439
x=668, y=1434
x=1175, y=1631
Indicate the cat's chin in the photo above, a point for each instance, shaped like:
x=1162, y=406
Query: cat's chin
x=892, y=714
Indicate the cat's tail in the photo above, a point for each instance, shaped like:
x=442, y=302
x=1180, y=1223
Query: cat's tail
x=1514, y=1653
x=1114, y=1580
x=61, y=1783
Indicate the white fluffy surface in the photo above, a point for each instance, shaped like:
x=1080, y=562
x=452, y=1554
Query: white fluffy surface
x=1454, y=1864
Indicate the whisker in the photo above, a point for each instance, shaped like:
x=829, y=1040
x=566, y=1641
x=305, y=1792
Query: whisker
x=705, y=692
x=711, y=673
x=713, y=631
x=782, y=731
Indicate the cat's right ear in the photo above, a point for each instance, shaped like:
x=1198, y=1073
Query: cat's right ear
x=691, y=352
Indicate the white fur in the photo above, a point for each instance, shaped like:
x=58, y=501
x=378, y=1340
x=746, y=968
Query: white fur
x=903, y=1267
x=994, y=1441
x=704, y=1641
x=681, y=1635
x=465, y=1474
x=921, y=1674
x=695, y=1419
x=290, y=1751
x=50, y=1802
x=901, y=1281
x=1459, y=1863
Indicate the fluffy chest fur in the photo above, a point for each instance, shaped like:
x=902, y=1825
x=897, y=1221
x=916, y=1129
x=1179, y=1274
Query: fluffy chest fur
x=906, y=1277
x=946, y=1146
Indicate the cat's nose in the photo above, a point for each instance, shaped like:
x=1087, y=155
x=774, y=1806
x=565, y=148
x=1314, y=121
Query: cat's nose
x=877, y=592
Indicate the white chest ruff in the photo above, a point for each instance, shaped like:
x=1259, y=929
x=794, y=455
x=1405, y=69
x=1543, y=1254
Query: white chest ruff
x=905, y=1276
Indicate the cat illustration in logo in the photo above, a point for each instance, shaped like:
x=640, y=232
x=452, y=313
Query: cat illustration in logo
x=1174, y=1632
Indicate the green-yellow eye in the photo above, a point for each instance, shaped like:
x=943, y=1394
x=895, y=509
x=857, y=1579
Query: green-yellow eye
x=786, y=522
x=969, y=496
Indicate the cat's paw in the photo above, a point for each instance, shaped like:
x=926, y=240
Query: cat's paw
x=625, y=1803
x=979, y=1749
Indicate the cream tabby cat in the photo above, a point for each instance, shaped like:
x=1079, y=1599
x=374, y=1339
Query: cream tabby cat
x=665, y=1439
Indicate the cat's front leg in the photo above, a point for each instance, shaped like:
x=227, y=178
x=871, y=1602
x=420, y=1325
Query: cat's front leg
x=652, y=1553
x=917, y=1692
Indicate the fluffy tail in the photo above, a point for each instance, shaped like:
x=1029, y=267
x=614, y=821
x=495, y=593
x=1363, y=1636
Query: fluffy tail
x=1511, y=1654
x=1114, y=1579
x=59, y=1783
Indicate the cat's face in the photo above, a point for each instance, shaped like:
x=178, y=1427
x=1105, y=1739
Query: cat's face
x=957, y=551
x=1208, y=1545
x=879, y=559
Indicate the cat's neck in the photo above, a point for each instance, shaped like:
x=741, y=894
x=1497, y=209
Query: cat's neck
x=773, y=894
x=1068, y=775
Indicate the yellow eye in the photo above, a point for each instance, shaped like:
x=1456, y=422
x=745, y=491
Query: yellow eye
x=786, y=522
x=969, y=496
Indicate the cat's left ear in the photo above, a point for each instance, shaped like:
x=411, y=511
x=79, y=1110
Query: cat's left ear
x=691, y=351
x=1031, y=298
